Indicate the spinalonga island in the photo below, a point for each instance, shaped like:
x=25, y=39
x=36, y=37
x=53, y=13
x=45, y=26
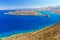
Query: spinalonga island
x=28, y=13
x=24, y=13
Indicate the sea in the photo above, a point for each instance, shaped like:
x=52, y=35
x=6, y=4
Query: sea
x=14, y=24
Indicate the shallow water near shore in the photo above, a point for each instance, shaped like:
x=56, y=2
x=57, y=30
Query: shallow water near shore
x=12, y=24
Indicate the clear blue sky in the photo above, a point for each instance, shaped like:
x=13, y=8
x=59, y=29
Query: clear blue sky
x=27, y=3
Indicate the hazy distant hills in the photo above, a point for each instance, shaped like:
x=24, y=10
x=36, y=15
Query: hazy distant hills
x=55, y=9
x=50, y=8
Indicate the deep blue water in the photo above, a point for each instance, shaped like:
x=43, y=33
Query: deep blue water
x=12, y=24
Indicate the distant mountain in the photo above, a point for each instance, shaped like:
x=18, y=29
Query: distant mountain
x=55, y=9
x=50, y=8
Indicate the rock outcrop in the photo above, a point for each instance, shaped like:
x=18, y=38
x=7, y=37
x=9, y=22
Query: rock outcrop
x=46, y=15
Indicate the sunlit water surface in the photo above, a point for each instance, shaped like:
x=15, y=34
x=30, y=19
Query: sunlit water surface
x=12, y=24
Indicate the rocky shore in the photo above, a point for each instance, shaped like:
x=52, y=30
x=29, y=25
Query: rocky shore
x=50, y=33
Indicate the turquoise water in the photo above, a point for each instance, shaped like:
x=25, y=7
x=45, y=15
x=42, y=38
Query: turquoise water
x=12, y=24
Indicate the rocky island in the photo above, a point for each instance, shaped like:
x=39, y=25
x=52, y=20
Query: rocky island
x=23, y=13
x=46, y=15
x=49, y=33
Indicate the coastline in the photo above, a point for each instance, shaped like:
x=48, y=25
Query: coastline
x=37, y=30
x=50, y=32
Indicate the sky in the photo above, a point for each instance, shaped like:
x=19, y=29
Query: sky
x=27, y=3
